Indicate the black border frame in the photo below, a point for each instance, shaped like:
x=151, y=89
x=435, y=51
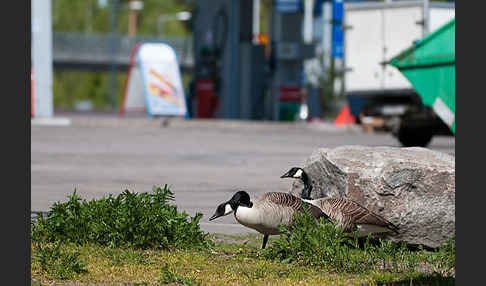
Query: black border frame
x=16, y=65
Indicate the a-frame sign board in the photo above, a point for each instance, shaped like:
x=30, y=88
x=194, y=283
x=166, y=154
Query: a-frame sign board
x=154, y=83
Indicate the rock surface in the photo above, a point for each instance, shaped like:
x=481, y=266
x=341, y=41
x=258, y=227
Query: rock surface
x=413, y=188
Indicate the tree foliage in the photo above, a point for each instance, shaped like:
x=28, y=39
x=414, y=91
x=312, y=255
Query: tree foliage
x=91, y=17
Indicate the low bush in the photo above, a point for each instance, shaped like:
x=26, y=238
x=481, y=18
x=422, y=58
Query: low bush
x=323, y=244
x=144, y=220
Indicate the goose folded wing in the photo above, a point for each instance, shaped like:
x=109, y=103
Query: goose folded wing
x=352, y=211
x=288, y=200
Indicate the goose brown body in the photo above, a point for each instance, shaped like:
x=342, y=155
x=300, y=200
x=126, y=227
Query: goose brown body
x=350, y=215
x=271, y=210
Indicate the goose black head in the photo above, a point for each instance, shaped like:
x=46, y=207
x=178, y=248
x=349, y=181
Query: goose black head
x=222, y=210
x=295, y=172
x=299, y=173
x=240, y=198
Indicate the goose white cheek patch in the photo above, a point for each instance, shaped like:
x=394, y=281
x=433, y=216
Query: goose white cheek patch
x=298, y=174
x=228, y=210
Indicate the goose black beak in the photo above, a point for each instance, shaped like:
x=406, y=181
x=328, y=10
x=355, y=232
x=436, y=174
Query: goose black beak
x=214, y=216
x=286, y=175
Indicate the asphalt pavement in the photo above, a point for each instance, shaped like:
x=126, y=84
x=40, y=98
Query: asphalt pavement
x=204, y=161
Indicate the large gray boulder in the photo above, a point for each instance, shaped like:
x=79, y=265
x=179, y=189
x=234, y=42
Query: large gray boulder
x=413, y=188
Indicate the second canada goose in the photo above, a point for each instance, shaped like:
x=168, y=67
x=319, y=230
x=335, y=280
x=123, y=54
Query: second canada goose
x=266, y=213
x=349, y=214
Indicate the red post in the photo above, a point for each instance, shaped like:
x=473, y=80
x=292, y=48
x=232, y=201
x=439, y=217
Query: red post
x=206, y=98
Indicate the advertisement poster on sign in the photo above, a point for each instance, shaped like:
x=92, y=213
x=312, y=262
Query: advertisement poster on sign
x=155, y=75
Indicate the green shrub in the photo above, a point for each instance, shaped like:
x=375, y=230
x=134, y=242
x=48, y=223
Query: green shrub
x=317, y=243
x=58, y=263
x=323, y=244
x=144, y=220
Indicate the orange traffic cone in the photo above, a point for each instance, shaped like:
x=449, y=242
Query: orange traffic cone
x=344, y=117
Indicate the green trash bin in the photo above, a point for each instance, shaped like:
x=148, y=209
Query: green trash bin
x=289, y=111
x=429, y=65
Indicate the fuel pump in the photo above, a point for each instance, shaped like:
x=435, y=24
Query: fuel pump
x=289, y=52
x=229, y=79
x=208, y=73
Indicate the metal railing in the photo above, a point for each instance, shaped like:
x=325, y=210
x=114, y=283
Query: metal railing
x=96, y=49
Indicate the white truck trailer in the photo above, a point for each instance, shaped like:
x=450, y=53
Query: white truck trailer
x=375, y=32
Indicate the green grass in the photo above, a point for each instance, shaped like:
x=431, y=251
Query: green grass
x=170, y=277
x=234, y=260
x=57, y=263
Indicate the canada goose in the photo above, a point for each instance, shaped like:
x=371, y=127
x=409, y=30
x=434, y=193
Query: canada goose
x=349, y=214
x=266, y=213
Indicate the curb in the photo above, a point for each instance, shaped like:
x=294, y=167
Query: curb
x=50, y=121
x=115, y=122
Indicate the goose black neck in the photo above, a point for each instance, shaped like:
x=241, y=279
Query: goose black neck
x=306, y=192
x=235, y=204
x=241, y=198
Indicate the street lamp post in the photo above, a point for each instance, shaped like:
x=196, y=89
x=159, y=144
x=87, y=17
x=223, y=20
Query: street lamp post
x=134, y=6
x=113, y=38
